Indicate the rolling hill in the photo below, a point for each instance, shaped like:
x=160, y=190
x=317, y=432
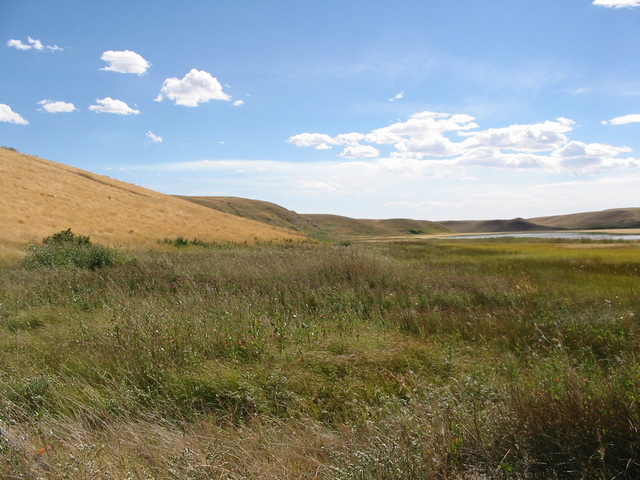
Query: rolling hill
x=319, y=226
x=40, y=197
x=605, y=219
x=324, y=226
x=497, y=226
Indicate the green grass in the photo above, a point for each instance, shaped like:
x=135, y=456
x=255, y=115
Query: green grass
x=400, y=360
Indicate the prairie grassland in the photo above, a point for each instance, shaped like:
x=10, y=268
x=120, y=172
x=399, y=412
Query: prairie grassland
x=400, y=360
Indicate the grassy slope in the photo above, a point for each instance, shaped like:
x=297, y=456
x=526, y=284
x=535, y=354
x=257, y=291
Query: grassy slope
x=613, y=218
x=487, y=226
x=367, y=227
x=257, y=210
x=323, y=225
x=316, y=225
x=39, y=197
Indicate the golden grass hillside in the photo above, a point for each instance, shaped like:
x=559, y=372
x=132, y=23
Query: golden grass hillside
x=40, y=197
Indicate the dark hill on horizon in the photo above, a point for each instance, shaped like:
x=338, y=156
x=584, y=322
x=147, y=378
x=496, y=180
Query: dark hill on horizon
x=497, y=226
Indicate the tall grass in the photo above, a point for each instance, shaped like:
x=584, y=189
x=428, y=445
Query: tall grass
x=407, y=360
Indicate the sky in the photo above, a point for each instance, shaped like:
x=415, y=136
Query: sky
x=423, y=109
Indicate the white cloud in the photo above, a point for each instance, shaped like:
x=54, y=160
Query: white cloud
x=17, y=44
x=125, y=61
x=528, y=138
x=360, y=151
x=352, y=138
x=56, y=107
x=9, y=116
x=617, y=3
x=32, y=44
x=196, y=87
x=581, y=158
x=154, y=138
x=631, y=118
x=109, y=105
x=320, y=141
x=397, y=96
x=237, y=103
x=431, y=136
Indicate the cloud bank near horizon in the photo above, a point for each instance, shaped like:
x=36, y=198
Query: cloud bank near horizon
x=454, y=140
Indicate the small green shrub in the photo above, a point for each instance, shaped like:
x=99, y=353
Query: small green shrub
x=66, y=249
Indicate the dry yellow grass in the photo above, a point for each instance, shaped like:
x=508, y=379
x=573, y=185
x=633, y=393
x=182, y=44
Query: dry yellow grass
x=39, y=197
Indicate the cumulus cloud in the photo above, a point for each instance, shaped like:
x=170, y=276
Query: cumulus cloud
x=397, y=96
x=109, y=105
x=32, y=44
x=528, y=138
x=196, y=87
x=583, y=159
x=617, y=3
x=237, y=103
x=125, y=61
x=453, y=141
x=320, y=141
x=154, y=138
x=56, y=107
x=631, y=118
x=9, y=116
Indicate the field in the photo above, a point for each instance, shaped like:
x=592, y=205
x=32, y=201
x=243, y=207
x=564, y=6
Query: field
x=408, y=360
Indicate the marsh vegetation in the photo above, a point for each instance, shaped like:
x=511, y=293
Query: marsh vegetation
x=411, y=360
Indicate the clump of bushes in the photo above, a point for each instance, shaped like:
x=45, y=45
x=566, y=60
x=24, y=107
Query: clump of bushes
x=66, y=249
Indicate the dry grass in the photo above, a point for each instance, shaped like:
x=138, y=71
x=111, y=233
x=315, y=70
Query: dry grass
x=40, y=197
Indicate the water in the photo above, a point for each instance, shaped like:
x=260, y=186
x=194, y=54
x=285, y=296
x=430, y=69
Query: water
x=551, y=235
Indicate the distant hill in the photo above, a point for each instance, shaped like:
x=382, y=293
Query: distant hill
x=39, y=197
x=258, y=210
x=319, y=226
x=337, y=224
x=605, y=219
x=325, y=226
x=496, y=226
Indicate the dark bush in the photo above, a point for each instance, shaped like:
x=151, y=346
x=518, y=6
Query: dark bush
x=66, y=249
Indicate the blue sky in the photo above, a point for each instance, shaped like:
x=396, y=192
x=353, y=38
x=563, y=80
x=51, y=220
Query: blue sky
x=426, y=109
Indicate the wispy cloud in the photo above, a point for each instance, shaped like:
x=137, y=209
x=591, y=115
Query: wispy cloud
x=154, y=138
x=110, y=105
x=32, y=44
x=125, y=61
x=631, y=118
x=194, y=88
x=397, y=96
x=617, y=3
x=9, y=116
